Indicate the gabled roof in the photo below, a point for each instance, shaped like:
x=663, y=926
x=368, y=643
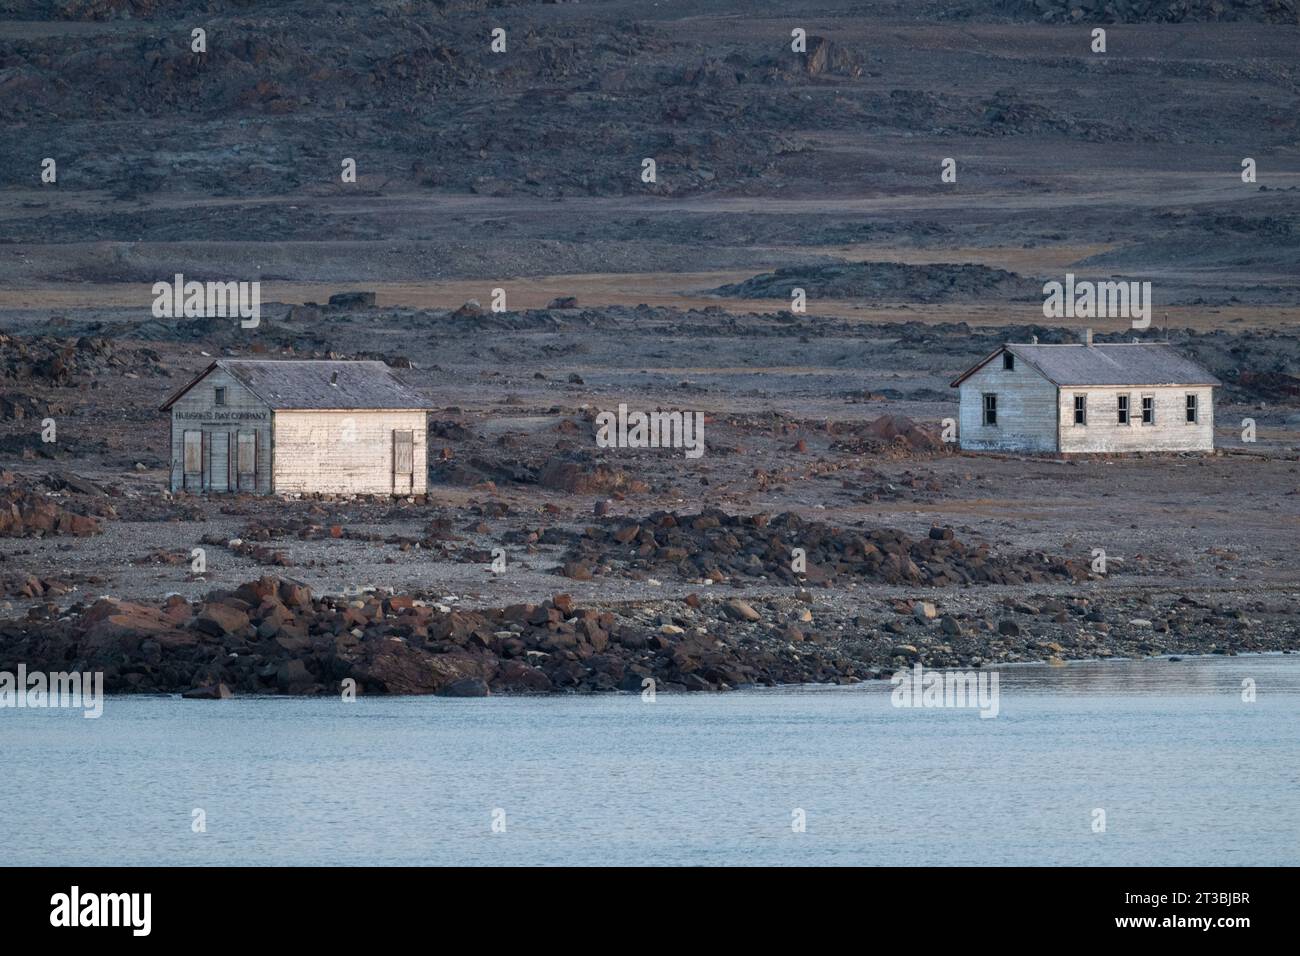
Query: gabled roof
x=312, y=384
x=1114, y=363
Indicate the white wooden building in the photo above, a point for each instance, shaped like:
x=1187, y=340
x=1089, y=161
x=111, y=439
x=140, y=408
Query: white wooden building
x=1086, y=399
x=284, y=426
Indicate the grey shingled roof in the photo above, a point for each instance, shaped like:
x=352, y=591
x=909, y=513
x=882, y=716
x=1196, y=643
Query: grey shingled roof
x=1118, y=363
x=305, y=384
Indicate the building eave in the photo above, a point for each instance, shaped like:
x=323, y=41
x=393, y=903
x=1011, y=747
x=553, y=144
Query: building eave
x=350, y=409
x=185, y=388
x=994, y=354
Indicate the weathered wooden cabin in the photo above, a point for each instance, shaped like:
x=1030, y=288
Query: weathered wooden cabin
x=285, y=426
x=1086, y=399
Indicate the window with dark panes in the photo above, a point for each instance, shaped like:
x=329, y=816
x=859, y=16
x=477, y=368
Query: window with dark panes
x=990, y=408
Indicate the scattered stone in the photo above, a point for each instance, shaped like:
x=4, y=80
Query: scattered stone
x=30, y=514
x=718, y=546
x=741, y=611
x=577, y=571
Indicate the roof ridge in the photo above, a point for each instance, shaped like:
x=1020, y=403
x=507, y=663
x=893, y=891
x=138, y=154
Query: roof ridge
x=307, y=361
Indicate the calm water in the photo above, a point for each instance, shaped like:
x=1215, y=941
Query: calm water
x=1186, y=772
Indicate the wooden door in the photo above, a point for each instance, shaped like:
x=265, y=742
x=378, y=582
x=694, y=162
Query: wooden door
x=246, y=467
x=403, y=462
x=192, y=461
x=219, y=462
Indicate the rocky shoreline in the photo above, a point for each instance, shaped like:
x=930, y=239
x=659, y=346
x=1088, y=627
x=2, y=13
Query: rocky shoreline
x=714, y=546
x=273, y=636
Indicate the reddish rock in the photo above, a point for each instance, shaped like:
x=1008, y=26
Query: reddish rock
x=577, y=571
x=27, y=513
x=110, y=621
x=518, y=613
x=271, y=617
x=294, y=594
x=218, y=619
x=395, y=667
x=257, y=592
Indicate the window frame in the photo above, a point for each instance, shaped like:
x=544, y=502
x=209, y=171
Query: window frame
x=1145, y=400
x=1192, y=408
x=219, y=396
x=986, y=407
x=1124, y=409
x=1081, y=409
x=1008, y=362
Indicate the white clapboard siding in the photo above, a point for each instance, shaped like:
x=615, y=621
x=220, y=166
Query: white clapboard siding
x=1170, y=432
x=347, y=452
x=1027, y=407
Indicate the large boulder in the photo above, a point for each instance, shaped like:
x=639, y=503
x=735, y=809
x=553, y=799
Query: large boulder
x=295, y=595
x=395, y=667
x=465, y=687
x=292, y=677
x=516, y=677
x=256, y=592
x=219, y=619
x=29, y=514
x=899, y=429
x=112, y=622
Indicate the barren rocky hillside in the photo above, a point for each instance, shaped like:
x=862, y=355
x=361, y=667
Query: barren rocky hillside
x=918, y=171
